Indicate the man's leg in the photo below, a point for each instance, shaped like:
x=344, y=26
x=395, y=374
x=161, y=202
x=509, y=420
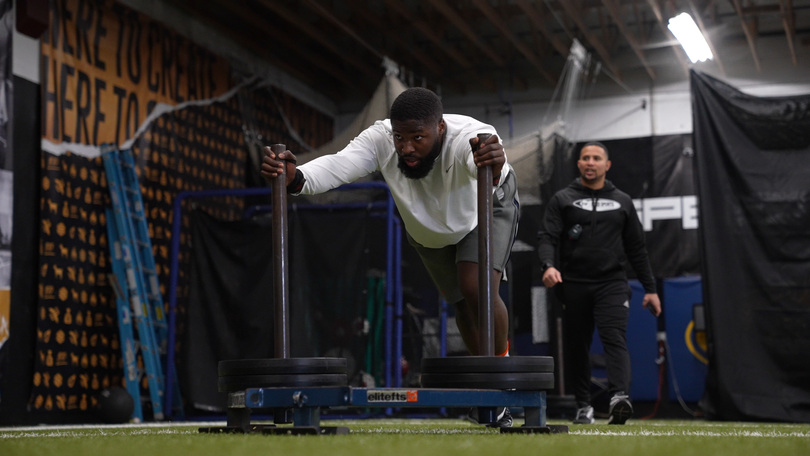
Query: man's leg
x=611, y=312
x=505, y=219
x=467, y=310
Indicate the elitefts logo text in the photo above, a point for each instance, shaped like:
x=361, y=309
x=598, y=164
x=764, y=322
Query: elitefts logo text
x=392, y=396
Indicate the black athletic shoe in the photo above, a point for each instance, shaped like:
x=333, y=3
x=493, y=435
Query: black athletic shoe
x=620, y=409
x=504, y=419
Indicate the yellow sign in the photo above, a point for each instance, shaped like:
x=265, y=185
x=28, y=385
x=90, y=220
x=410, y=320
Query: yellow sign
x=106, y=67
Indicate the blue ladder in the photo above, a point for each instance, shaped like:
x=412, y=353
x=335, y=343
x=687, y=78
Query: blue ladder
x=130, y=221
x=129, y=346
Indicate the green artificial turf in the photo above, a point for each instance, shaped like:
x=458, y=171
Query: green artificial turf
x=413, y=437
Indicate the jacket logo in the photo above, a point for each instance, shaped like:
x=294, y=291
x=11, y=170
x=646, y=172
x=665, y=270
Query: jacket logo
x=602, y=205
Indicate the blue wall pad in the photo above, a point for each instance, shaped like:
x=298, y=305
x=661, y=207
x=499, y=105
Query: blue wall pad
x=680, y=295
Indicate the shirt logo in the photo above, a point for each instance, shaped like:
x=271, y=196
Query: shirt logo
x=602, y=205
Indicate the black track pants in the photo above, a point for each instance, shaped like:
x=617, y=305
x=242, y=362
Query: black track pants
x=605, y=305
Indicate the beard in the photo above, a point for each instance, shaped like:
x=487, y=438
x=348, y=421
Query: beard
x=425, y=165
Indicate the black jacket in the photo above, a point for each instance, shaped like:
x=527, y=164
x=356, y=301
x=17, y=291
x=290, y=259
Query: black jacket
x=611, y=236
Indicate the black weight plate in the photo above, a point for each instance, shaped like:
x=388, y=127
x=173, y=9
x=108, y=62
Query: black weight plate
x=233, y=383
x=525, y=381
x=282, y=366
x=481, y=364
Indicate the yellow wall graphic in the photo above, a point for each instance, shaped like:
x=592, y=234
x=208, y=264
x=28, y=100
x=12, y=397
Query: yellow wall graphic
x=105, y=67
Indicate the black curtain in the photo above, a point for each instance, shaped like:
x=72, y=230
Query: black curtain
x=673, y=243
x=753, y=173
x=230, y=311
x=333, y=250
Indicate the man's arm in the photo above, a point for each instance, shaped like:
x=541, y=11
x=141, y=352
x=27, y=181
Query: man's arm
x=548, y=240
x=636, y=251
x=324, y=173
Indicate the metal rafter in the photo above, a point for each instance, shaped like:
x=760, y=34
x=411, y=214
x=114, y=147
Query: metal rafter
x=324, y=13
x=254, y=21
x=373, y=21
x=426, y=30
x=369, y=69
x=500, y=24
x=575, y=14
x=614, y=9
x=749, y=34
x=536, y=16
x=449, y=13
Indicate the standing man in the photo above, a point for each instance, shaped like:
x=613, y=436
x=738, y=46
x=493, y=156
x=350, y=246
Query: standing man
x=594, y=228
x=426, y=159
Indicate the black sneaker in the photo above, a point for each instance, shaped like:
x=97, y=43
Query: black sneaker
x=620, y=409
x=504, y=417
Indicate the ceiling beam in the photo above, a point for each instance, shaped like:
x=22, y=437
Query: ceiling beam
x=614, y=9
x=749, y=33
x=536, y=16
x=256, y=26
x=372, y=20
x=371, y=70
x=499, y=23
x=324, y=13
x=645, y=33
x=429, y=33
x=759, y=9
x=575, y=13
x=449, y=13
x=789, y=22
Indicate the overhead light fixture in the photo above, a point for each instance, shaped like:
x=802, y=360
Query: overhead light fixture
x=690, y=37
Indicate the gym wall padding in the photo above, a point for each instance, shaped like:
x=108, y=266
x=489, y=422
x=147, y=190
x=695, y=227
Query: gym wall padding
x=679, y=296
x=641, y=342
x=752, y=158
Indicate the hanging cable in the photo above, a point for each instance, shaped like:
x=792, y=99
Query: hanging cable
x=675, y=385
x=661, y=362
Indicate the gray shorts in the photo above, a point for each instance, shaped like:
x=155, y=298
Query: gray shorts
x=441, y=263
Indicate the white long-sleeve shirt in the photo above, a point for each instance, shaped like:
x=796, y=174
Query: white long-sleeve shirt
x=437, y=210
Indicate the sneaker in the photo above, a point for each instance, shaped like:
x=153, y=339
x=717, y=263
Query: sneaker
x=620, y=408
x=584, y=415
x=503, y=420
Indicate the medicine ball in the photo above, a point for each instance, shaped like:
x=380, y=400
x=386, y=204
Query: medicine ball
x=115, y=405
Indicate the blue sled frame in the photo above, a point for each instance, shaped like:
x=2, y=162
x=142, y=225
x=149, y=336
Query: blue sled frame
x=301, y=407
